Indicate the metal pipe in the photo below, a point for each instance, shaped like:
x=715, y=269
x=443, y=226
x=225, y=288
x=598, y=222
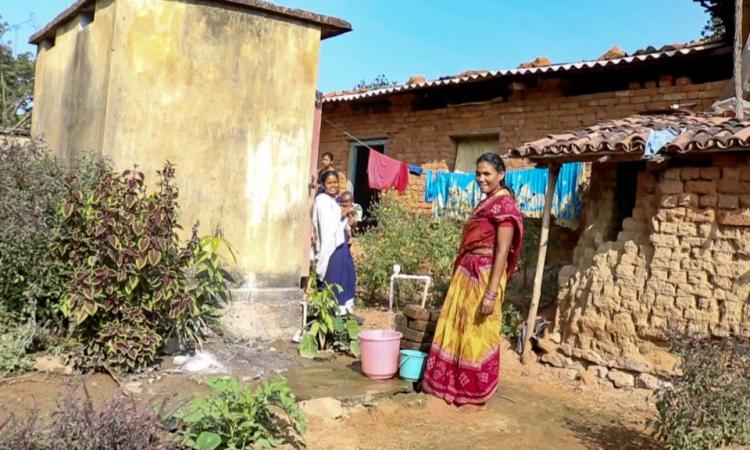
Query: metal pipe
x=304, y=316
x=397, y=275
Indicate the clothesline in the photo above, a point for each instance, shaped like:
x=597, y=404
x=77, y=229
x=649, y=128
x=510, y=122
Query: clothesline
x=354, y=138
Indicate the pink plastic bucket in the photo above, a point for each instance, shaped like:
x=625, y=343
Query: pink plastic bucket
x=380, y=353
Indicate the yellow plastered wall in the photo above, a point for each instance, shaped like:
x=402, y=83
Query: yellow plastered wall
x=225, y=95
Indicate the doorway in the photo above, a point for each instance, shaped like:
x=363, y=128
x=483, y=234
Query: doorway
x=360, y=156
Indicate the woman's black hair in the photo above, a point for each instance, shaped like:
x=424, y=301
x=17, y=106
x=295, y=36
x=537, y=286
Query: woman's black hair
x=326, y=175
x=328, y=154
x=497, y=162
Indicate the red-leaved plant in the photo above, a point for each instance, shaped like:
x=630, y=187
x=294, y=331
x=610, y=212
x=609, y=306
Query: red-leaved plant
x=129, y=280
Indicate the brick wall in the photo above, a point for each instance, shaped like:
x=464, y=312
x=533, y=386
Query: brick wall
x=428, y=135
x=681, y=262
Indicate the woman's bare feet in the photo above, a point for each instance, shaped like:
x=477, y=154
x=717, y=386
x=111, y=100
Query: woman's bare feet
x=470, y=409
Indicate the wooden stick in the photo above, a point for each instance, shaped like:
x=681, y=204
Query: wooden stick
x=541, y=257
x=738, y=97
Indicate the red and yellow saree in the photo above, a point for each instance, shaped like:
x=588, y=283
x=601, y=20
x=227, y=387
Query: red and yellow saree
x=463, y=366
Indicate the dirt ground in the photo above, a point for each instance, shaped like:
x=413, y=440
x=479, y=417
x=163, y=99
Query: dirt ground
x=534, y=408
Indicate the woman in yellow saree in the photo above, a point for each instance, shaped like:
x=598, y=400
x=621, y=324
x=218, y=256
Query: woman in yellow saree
x=463, y=366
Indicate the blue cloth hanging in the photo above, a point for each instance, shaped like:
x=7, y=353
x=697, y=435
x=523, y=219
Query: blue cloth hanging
x=415, y=169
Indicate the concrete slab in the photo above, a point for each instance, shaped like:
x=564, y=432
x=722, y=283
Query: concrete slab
x=342, y=379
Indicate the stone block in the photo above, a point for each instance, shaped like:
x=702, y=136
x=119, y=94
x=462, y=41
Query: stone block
x=671, y=187
x=263, y=314
x=701, y=215
x=730, y=173
x=591, y=356
x=327, y=408
x=686, y=229
x=678, y=276
x=659, y=274
x=710, y=173
x=701, y=187
x=689, y=200
x=685, y=302
x=554, y=359
x=737, y=218
x=664, y=302
x=422, y=325
x=744, y=201
x=648, y=381
x=745, y=173
x=588, y=378
x=668, y=228
x=416, y=312
x=728, y=186
x=621, y=379
x=420, y=337
x=690, y=173
x=547, y=345
x=668, y=215
x=668, y=201
x=708, y=201
x=671, y=174
x=728, y=202
x=664, y=240
x=705, y=230
x=597, y=370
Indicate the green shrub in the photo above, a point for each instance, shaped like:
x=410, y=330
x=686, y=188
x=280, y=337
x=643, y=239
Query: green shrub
x=15, y=342
x=31, y=190
x=31, y=193
x=127, y=276
x=419, y=243
x=708, y=404
x=511, y=321
x=234, y=416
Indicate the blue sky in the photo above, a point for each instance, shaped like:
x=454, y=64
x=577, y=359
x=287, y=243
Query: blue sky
x=442, y=37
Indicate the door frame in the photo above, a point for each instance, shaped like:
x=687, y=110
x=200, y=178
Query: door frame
x=353, y=154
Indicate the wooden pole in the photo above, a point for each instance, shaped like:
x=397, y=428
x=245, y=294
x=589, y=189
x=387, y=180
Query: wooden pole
x=541, y=258
x=738, y=97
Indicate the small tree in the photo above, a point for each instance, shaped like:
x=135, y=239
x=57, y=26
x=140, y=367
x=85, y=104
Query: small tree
x=16, y=84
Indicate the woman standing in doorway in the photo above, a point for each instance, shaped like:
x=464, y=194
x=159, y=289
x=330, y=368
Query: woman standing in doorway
x=463, y=367
x=334, y=263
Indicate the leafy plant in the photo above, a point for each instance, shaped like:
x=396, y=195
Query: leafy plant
x=416, y=241
x=16, y=84
x=511, y=320
x=31, y=190
x=15, y=341
x=126, y=273
x=209, y=286
x=380, y=81
x=707, y=405
x=234, y=416
x=121, y=423
x=326, y=329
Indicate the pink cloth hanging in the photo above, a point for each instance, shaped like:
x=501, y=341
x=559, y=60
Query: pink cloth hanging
x=385, y=173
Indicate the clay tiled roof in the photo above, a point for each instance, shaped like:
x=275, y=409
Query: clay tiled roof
x=650, y=54
x=329, y=26
x=699, y=132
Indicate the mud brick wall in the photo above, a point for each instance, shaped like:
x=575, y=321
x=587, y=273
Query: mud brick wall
x=680, y=262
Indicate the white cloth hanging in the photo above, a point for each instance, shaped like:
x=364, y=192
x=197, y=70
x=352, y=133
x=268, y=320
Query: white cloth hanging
x=329, y=228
